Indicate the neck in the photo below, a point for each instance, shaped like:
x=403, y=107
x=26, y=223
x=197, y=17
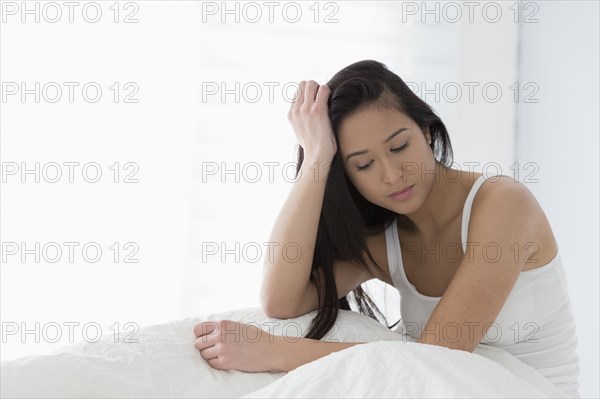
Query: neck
x=442, y=205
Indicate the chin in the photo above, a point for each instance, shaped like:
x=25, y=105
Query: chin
x=405, y=210
x=406, y=207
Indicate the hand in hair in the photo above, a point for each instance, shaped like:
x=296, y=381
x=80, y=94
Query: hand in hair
x=310, y=120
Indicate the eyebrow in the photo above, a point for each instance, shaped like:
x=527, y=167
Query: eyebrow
x=384, y=141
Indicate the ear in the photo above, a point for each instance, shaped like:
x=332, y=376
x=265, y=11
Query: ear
x=427, y=135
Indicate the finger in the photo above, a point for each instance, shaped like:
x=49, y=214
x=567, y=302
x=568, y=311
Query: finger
x=299, y=96
x=323, y=94
x=204, y=328
x=216, y=363
x=206, y=341
x=209, y=353
x=310, y=92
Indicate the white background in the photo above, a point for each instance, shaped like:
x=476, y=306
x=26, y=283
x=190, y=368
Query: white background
x=177, y=130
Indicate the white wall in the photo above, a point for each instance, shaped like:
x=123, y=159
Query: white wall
x=155, y=133
x=560, y=134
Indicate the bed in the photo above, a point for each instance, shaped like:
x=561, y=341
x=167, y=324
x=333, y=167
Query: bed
x=164, y=363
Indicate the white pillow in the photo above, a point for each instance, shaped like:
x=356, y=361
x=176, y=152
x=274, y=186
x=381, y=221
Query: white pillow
x=164, y=362
x=349, y=327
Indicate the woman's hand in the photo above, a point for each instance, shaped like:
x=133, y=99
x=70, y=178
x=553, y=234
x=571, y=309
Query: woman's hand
x=310, y=119
x=230, y=345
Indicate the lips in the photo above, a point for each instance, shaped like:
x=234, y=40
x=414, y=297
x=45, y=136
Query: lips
x=401, y=191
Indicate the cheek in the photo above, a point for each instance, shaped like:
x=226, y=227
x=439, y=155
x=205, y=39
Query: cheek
x=417, y=160
x=365, y=186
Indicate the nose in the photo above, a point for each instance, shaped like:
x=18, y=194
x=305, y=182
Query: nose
x=390, y=173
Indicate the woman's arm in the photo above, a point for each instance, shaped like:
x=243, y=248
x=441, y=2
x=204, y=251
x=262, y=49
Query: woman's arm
x=291, y=352
x=286, y=275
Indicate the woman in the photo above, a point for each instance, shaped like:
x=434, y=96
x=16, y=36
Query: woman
x=473, y=256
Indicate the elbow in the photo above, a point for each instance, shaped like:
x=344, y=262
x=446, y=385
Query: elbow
x=267, y=307
x=270, y=309
x=461, y=346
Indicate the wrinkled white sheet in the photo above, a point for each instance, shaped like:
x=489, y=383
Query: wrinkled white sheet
x=388, y=369
x=164, y=363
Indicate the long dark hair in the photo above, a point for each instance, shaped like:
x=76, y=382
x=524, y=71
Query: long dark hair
x=346, y=216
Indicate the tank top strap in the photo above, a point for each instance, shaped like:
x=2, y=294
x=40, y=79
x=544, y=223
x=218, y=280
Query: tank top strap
x=466, y=215
x=394, y=255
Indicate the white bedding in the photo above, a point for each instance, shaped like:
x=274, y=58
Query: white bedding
x=164, y=363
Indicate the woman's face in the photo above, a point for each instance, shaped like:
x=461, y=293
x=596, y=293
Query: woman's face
x=383, y=152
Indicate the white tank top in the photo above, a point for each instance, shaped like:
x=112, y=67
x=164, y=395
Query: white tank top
x=536, y=324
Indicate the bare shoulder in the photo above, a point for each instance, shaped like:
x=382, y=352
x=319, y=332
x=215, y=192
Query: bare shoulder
x=507, y=206
x=507, y=194
x=505, y=184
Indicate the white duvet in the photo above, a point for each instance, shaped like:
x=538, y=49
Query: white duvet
x=164, y=363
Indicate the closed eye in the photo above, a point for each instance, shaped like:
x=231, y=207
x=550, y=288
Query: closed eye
x=399, y=148
x=391, y=149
